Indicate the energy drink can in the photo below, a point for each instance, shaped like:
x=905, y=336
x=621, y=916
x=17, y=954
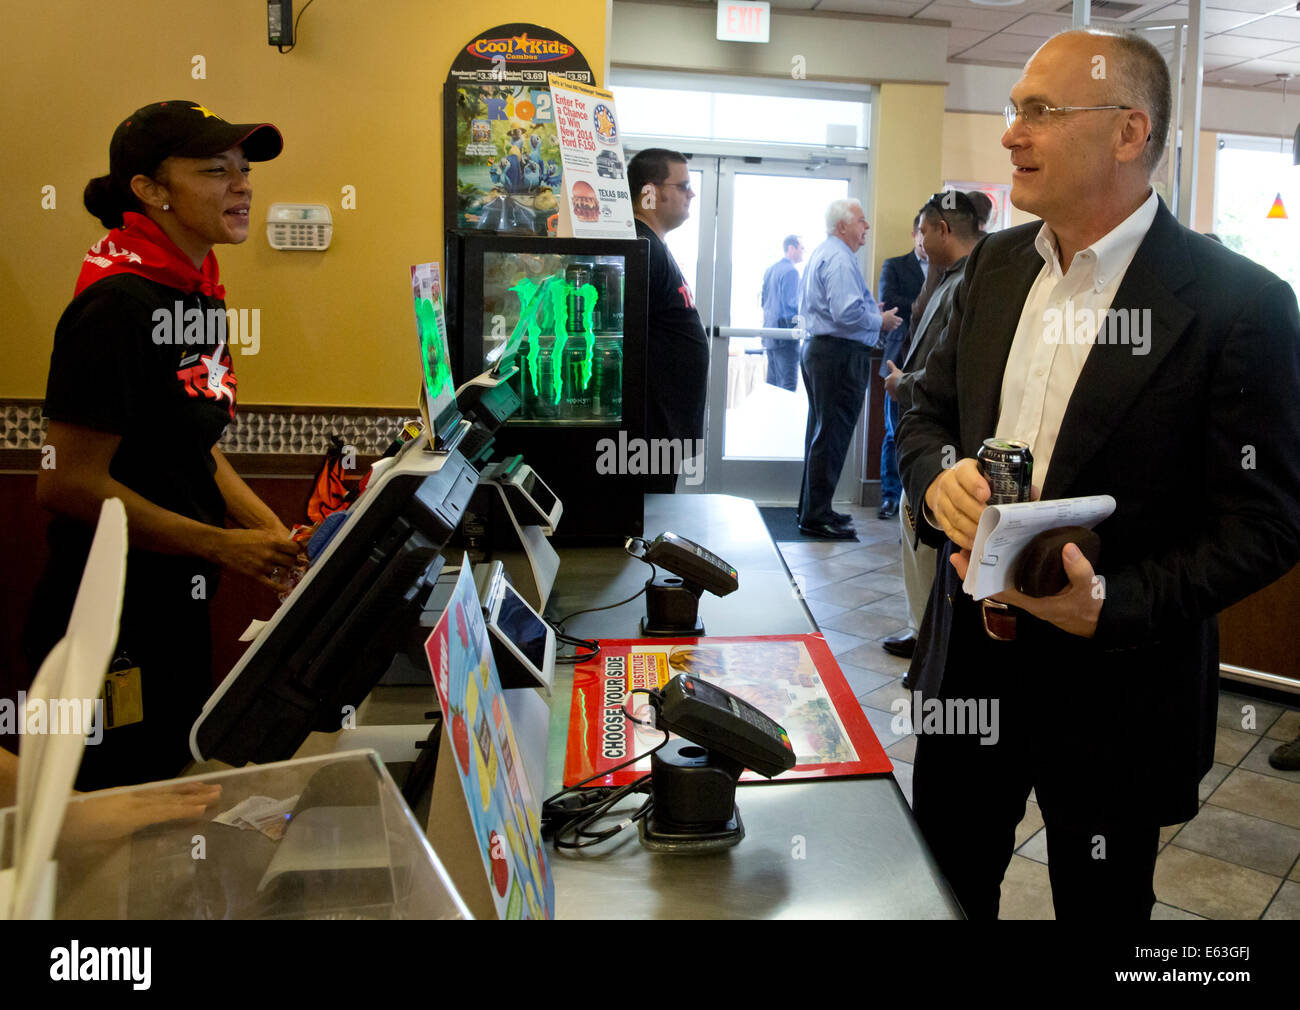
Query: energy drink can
x=1008, y=466
x=538, y=385
x=575, y=394
x=607, y=379
x=607, y=279
x=576, y=276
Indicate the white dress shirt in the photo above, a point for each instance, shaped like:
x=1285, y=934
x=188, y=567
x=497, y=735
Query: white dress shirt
x=1057, y=328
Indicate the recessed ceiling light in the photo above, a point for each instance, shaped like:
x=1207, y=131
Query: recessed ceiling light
x=997, y=3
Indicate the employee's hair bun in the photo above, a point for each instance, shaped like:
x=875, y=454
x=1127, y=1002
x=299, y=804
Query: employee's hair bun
x=104, y=199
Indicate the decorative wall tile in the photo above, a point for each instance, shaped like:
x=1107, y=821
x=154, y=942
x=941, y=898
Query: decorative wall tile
x=261, y=431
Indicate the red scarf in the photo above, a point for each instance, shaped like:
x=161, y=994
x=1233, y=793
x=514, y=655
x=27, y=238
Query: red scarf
x=141, y=247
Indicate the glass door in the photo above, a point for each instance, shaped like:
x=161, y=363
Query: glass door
x=743, y=208
x=755, y=447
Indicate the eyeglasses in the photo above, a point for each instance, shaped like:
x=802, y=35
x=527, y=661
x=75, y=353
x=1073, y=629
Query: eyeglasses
x=1035, y=113
x=685, y=187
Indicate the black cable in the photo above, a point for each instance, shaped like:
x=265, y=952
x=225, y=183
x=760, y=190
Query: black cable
x=295, y=28
x=599, y=801
x=578, y=826
x=592, y=610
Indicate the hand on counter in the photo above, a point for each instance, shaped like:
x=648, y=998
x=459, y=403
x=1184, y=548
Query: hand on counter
x=102, y=818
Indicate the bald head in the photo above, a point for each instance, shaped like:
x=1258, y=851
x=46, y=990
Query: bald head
x=1120, y=68
x=1093, y=111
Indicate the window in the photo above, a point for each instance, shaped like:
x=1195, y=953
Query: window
x=1250, y=173
x=761, y=117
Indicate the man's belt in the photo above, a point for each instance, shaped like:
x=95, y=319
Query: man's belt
x=999, y=621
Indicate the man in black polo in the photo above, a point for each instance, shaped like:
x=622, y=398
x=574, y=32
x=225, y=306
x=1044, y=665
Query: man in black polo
x=677, y=352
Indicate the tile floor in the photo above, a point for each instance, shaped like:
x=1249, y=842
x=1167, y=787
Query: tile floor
x=1239, y=858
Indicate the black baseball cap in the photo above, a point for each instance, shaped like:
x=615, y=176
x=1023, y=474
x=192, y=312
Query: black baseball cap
x=183, y=129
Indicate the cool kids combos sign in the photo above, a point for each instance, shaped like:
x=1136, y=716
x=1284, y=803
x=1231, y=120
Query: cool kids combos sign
x=502, y=169
x=522, y=49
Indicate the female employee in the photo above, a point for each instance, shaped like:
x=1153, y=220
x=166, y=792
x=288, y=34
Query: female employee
x=141, y=388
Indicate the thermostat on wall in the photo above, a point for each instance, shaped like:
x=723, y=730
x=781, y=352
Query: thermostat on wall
x=305, y=226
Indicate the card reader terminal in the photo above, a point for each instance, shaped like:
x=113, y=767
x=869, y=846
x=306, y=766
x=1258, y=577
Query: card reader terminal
x=711, y=717
x=693, y=563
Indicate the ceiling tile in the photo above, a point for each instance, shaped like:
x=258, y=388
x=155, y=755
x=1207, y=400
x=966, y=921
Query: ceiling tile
x=1235, y=45
x=1253, y=6
x=1211, y=62
x=1042, y=25
x=964, y=38
x=1004, y=49
x=798, y=5
x=1272, y=67
x=1213, y=21
x=986, y=19
x=891, y=8
x=1284, y=29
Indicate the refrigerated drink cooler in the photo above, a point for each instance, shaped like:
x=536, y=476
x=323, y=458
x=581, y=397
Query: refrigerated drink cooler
x=572, y=314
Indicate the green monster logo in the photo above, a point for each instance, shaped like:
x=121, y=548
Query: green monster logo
x=532, y=298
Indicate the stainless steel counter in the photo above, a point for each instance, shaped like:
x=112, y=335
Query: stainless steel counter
x=842, y=848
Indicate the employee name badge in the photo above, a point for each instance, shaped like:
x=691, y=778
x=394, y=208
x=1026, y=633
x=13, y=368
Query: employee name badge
x=122, y=695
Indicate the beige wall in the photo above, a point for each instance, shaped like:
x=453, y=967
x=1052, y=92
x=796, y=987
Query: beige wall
x=359, y=102
x=908, y=124
x=820, y=46
x=973, y=152
x=1205, y=165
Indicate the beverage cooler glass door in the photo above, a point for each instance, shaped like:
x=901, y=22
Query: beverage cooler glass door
x=561, y=317
x=571, y=315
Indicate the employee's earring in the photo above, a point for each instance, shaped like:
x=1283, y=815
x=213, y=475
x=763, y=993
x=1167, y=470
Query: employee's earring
x=167, y=206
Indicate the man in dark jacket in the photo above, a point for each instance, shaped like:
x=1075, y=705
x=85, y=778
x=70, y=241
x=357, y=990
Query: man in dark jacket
x=1185, y=407
x=901, y=279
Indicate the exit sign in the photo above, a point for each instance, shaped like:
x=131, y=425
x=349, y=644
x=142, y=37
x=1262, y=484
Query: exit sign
x=743, y=22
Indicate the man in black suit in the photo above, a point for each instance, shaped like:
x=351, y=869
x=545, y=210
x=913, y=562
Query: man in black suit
x=901, y=280
x=1105, y=700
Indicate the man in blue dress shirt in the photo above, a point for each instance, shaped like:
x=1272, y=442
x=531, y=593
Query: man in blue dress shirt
x=843, y=323
x=780, y=301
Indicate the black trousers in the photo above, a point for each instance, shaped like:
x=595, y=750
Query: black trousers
x=969, y=796
x=165, y=632
x=835, y=374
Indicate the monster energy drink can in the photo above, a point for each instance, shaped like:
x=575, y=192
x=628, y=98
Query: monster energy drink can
x=575, y=394
x=607, y=278
x=576, y=276
x=538, y=394
x=607, y=379
x=1008, y=466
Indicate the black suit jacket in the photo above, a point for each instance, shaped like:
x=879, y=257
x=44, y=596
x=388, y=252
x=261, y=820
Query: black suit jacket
x=1198, y=441
x=901, y=280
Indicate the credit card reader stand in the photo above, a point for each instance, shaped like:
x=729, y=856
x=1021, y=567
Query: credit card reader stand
x=672, y=601
x=510, y=517
x=693, y=779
